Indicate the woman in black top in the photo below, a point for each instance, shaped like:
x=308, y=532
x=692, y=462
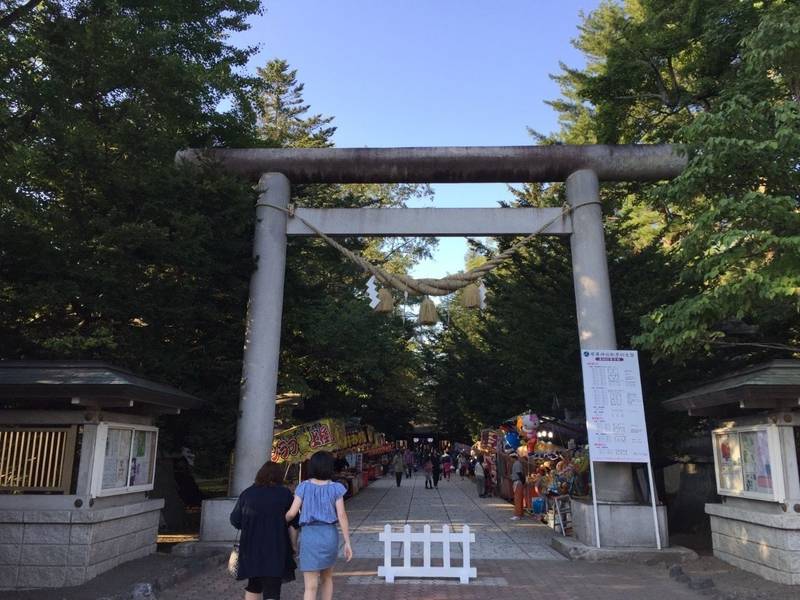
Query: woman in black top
x=266, y=545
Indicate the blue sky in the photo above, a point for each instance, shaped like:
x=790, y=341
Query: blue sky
x=426, y=73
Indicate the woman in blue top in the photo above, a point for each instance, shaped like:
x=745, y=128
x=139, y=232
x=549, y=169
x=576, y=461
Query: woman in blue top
x=322, y=503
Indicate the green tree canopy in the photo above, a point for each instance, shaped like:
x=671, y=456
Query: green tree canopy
x=721, y=79
x=704, y=269
x=108, y=251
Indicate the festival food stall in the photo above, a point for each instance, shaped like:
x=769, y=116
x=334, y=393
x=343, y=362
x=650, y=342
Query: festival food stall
x=554, y=463
x=374, y=456
x=487, y=446
x=349, y=441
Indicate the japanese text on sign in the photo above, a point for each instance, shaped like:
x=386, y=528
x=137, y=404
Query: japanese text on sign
x=299, y=443
x=615, y=420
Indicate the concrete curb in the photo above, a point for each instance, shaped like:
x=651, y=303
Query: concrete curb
x=575, y=550
x=147, y=590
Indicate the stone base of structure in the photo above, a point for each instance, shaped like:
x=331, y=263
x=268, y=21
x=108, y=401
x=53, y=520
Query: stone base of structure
x=622, y=525
x=215, y=524
x=575, y=550
x=61, y=548
x=761, y=543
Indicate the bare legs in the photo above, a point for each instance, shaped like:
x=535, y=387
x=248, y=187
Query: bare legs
x=310, y=584
x=252, y=596
x=316, y=580
x=326, y=584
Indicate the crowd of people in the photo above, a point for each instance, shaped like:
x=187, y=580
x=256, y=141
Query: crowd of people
x=437, y=466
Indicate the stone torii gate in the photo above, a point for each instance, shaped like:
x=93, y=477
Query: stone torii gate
x=581, y=167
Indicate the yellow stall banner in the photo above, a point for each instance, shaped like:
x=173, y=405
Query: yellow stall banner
x=299, y=443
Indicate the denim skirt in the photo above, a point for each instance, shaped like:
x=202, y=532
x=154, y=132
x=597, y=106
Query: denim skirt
x=319, y=546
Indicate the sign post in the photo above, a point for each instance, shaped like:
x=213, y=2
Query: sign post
x=612, y=389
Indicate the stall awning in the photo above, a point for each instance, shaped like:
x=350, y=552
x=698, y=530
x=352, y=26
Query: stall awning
x=65, y=384
x=771, y=385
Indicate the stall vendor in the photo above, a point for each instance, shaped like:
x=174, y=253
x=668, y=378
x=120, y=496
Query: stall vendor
x=341, y=464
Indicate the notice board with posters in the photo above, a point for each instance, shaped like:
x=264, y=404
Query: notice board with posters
x=749, y=462
x=615, y=420
x=124, y=458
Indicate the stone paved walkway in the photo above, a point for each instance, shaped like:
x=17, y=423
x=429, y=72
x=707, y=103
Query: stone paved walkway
x=513, y=558
x=511, y=579
x=455, y=503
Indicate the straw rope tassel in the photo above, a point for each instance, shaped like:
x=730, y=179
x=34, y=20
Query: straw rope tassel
x=385, y=301
x=471, y=296
x=427, y=312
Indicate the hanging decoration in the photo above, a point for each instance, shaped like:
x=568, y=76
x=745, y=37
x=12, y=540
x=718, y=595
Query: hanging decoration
x=386, y=301
x=372, y=293
x=427, y=312
x=425, y=287
x=380, y=300
x=471, y=296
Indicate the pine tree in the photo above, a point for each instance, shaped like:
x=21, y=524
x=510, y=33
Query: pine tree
x=282, y=110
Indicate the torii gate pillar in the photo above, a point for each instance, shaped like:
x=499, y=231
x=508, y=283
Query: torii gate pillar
x=262, y=345
x=593, y=303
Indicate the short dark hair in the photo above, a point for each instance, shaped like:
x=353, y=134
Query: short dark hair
x=321, y=465
x=270, y=474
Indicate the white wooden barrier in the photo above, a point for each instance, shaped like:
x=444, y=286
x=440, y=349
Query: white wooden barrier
x=390, y=571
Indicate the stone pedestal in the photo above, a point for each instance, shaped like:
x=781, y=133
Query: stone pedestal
x=759, y=542
x=622, y=524
x=62, y=548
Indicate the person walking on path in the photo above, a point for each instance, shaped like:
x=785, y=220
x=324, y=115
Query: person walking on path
x=447, y=465
x=398, y=467
x=518, y=483
x=266, y=545
x=480, y=477
x=408, y=458
x=322, y=504
x=437, y=469
x=462, y=465
x=384, y=464
x=427, y=466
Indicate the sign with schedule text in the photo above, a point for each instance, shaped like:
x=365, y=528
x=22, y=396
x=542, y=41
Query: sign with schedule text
x=612, y=389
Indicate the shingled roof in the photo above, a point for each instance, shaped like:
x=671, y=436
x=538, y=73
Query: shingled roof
x=30, y=384
x=771, y=385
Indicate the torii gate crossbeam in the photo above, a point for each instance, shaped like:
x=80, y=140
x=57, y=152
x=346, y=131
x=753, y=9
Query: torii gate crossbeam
x=452, y=164
x=433, y=222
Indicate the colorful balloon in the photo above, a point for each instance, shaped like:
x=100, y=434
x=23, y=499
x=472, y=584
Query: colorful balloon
x=511, y=441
